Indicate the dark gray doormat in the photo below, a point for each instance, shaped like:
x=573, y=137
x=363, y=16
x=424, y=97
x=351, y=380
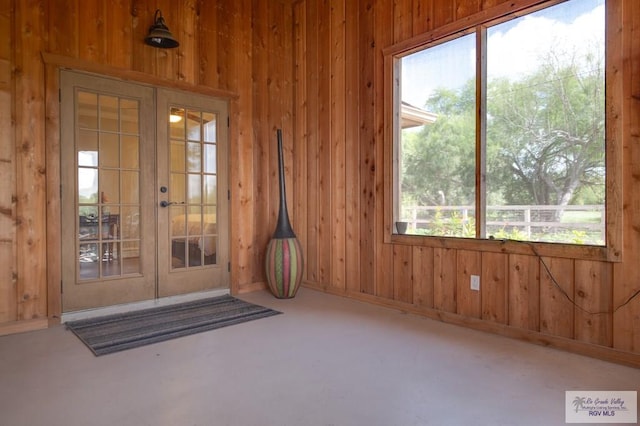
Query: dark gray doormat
x=114, y=333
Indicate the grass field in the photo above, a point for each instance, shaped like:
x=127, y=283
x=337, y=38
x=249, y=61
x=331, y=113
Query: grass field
x=573, y=216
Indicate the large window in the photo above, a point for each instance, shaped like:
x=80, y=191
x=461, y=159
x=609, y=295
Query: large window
x=499, y=132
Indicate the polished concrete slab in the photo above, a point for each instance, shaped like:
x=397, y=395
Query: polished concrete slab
x=327, y=361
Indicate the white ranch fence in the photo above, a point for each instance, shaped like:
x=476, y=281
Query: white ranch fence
x=529, y=219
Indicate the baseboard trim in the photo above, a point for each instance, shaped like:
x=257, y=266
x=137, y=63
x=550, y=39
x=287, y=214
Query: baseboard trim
x=23, y=326
x=562, y=343
x=251, y=287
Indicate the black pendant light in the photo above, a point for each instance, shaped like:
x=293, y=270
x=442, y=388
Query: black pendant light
x=159, y=35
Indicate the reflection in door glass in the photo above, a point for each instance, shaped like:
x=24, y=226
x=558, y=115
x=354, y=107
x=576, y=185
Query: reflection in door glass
x=107, y=147
x=193, y=190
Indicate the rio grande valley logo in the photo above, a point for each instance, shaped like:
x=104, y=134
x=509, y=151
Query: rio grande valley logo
x=601, y=407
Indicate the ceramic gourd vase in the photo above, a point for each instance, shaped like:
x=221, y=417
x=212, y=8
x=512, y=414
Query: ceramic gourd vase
x=284, y=262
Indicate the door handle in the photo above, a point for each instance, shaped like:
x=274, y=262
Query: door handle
x=164, y=203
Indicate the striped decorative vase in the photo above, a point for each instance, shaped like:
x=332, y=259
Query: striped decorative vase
x=284, y=262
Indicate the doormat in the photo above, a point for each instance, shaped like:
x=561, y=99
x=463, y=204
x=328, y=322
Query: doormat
x=117, y=332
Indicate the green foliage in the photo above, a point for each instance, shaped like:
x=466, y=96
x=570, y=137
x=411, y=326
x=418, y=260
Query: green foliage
x=545, y=142
x=439, y=161
x=510, y=234
x=546, y=136
x=449, y=224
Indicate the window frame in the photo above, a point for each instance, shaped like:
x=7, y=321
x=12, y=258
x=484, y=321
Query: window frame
x=478, y=23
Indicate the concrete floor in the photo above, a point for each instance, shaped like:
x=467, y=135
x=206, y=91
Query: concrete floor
x=326, y=361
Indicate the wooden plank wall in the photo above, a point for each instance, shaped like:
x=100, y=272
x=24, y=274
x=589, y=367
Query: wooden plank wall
x=626, y=278
x=340, y=192
x=315, y=69
x=30, y=178
x=242, y=48
x=8, y=295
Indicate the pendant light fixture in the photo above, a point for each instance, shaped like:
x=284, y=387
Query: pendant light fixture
x=159, y=35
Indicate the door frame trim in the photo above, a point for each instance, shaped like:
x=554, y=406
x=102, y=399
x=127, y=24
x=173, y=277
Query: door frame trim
x=53, y=63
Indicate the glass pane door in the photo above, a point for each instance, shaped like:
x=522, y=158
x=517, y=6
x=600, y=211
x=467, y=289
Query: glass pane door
x=108, y=219
x=193, y=218
x=108, y=185
x=193, y=188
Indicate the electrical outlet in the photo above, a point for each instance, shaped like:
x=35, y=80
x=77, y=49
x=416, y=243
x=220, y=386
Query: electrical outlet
x=475, y=282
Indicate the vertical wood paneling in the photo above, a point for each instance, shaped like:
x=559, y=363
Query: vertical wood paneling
x=423, y=276
x=118, y=34
x=6, y=48
x=279, y=80
x=383, y=24
x=251, y=180
x=266, y=154
x=384, y=272
x=7, y=229
x=368, y=56
x=464, y=8
x=556, y=290
x=593, y=297
x=402, y=21
x=208, y=44
x=487, y=4
x=92, y=43
x=626, y=318
x=334, y=131
x=444, y=279
x=30, y=160
x=494, y=287
x=8, y=295
x=524, y=292
x=187, y=53
x=468, y=301
x=144, y=57
x=338, y=143
x=325, y=209
x=313, y=173
x=422, y=16
x=54, y=205
x=63, y=28
x=352, y=147
x=443, y=12
x=301, y=151
x=245, y=238
x=402, y=273
x=257, y=52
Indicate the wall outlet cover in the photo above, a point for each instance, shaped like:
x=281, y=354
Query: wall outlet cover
x=475, y=282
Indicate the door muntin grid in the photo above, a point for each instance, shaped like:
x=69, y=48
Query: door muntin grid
x=107, y=146
x=193, y=188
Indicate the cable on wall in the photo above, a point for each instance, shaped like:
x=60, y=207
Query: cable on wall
x=563, y=292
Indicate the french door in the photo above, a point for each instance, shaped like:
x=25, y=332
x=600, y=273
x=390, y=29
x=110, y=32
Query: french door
x=144, y=185
x=192, y=187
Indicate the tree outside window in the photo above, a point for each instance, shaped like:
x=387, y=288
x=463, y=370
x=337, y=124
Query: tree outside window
x=529, y=95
